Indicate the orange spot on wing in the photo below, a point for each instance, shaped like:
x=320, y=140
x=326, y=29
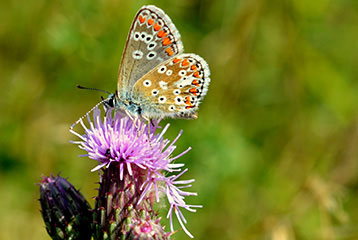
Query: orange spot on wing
x=187, y=101
x=166, y=41
x=188, y=107
x=150, y=21
x=169, y=51
x=141, y=19
x=176, y=60
x=162, y=34
x=185, y=62
x=195, y=82
x=193, y=67
x=196, y=74
x=194, y=91
x=156, y=27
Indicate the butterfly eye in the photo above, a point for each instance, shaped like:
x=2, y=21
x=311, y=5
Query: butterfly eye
x=162, y=99
x=111, y=103
x=147, y=83
x=162, y=69
x=176, y=92
x=171, y=108
x=182, y=73
x=155, y=92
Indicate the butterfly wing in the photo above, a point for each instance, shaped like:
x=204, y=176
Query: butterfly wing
x=174, y=88
x=152, y=39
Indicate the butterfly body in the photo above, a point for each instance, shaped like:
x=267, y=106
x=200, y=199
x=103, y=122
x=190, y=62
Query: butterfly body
x=123, y=104
x=156, y=79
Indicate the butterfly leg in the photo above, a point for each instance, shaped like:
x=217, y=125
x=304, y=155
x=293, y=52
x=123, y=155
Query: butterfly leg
x=150, y=123
x=134, y=120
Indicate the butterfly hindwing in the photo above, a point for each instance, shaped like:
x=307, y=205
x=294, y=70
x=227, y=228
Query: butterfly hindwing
x=152, y=39
x=174, y=88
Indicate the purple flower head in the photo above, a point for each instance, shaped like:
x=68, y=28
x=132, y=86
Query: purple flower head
x=139, y=153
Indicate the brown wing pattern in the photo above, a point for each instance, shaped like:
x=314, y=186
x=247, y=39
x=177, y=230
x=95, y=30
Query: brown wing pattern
x=175, y=87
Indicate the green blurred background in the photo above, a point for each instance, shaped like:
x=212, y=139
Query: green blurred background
x=275, y=147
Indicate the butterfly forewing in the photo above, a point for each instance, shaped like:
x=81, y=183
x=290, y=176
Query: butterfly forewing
x=152, y=39
x=175, y=87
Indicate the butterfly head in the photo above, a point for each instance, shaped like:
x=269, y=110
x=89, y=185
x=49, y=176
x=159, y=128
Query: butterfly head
x=110, y=101
x=126, y=104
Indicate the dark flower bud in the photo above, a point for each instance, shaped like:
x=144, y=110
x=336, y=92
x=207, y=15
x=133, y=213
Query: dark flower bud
x=66, y=213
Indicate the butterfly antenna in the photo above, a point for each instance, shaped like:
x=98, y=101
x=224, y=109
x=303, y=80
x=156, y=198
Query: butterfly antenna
x=93, y=89
x=80, y=119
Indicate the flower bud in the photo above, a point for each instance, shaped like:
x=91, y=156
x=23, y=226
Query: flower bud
x=66, y=213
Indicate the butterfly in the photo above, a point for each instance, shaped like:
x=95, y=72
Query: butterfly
x=156, y=79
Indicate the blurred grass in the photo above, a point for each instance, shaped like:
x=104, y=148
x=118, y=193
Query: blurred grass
x=275, y=146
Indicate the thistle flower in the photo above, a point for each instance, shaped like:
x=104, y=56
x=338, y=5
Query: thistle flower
x=135, y=163
x=66, y=213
